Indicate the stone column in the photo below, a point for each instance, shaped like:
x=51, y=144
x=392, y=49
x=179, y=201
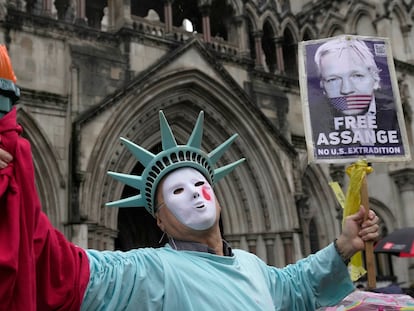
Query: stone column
x=269, y=239
x=47, y=7
x=305, y=216
x=407, y=36
x=287, y=239
x=204, y=7
x=405, y=95
x=238, y=35
x=80, y=13
x=168, y=18
x=258, y=48
x=80, y=235
x=252, y=243
x=234, y=241
x=280, y=66
x=405, y=181
x=119, y=14
x=74, y=93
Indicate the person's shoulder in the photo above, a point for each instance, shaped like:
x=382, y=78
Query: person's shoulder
x=120, y=256
x=245, y=255
x=241, y=252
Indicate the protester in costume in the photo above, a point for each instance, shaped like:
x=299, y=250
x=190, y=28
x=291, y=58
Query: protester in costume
x=39, y=269
x=195, y=270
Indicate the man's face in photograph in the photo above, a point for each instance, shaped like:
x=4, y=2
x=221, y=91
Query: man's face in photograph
x=347, y=81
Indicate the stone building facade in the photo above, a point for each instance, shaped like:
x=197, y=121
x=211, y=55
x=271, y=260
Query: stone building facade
x=91, y=71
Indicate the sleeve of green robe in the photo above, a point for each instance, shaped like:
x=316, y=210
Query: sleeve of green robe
x=319, y=280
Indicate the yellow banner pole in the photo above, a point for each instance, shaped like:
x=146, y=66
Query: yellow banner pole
x=369, y=246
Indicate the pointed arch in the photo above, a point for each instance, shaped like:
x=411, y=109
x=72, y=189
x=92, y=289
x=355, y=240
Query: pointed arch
x=397, y=8
x=333, y=23
x=336, y=30
x=251, y=202
x=269, y=25
x=308, y=32
x=364, y=7
x=269, y=17
x=269, y=46
x=401, y=31
x=252, y=16
x=364, y=25
x=361, y=19
x=48, y=176
x=252, y=28
x=289, y=47
x=236, y=5
x=289, y=23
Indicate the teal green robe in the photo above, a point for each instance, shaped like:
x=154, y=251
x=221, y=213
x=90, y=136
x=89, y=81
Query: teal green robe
x=166, y=279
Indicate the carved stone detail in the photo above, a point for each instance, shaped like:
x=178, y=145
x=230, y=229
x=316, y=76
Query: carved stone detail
x=404, y=179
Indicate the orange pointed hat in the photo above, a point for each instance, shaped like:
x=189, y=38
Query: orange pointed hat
x=9, y=92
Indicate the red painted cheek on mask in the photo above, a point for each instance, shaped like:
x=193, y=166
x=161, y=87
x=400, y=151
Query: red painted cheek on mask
x=206, y=194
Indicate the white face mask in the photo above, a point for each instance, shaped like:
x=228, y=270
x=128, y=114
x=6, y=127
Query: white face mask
x=189, y=196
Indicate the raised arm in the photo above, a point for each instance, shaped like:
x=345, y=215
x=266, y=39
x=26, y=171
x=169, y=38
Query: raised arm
x=322, y=279
x=39, y=268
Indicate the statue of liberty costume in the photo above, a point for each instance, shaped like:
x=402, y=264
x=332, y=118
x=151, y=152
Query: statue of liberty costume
x=188, y=279
x=41, y=270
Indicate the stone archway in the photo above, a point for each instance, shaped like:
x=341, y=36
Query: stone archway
x=48, y=176
x=258, y=207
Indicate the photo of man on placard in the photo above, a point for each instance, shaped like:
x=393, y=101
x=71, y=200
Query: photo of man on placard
x=352, y=106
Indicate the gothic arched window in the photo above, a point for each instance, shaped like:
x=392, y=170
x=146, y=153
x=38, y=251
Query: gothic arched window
x=290, y=54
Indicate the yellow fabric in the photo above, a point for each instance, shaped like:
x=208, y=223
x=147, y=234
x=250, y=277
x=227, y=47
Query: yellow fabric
x=338, y=193
x=356, y=172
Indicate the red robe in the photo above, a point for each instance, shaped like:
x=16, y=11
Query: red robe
x=39, y=268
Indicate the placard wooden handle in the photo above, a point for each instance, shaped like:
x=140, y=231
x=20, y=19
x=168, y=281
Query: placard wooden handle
x=369, y=246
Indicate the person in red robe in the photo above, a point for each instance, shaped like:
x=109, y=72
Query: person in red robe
x=39, y=268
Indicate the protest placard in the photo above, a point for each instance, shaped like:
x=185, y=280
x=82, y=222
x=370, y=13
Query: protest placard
x=350, y=100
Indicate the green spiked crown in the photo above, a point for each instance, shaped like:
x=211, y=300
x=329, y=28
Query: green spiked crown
x=171, y=157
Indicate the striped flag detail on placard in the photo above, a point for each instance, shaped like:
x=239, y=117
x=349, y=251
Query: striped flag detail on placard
x=350, y=102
